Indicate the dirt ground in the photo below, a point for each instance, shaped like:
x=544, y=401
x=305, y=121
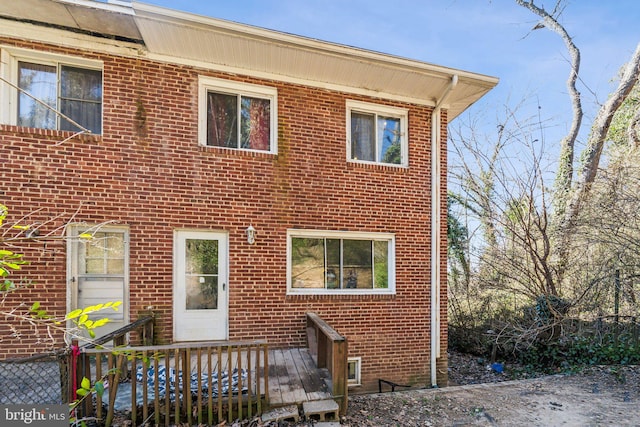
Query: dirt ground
x=597, y=396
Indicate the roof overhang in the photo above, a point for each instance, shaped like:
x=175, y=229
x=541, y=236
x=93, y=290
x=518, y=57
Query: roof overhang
x=114, y=19
x=180, y=37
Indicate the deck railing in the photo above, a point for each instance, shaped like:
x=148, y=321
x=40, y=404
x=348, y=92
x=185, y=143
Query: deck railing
x=192, y=383
x=329, y=350
x=144, y=326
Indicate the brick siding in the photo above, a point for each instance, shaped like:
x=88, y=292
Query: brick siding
x=148, y=172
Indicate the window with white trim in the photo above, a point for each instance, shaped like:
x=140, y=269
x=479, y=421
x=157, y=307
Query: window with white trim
x=237, y=115
x=377, y=134
x=335, y=262
x=353, y=371
x=51, y=91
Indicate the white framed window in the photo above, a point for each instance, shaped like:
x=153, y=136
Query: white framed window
x=72, y=86
x=236, y=115
x=353, y=371
x=377, y=134
x=337, y=262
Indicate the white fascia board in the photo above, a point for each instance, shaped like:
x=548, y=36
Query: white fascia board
x=111, y=5
x=25, y=31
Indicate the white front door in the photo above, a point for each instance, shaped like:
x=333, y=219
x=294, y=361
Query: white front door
x=200, y=296
x=99, y=273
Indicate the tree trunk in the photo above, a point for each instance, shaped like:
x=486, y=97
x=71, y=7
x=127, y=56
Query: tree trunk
x=593, y=151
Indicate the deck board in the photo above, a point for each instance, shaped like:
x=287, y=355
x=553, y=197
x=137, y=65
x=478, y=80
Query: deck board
x=276, y=369
x=294, y=377
x=311, y=381
x=298, y=395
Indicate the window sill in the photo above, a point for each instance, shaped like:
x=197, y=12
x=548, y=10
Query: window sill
x=233, y=152
x=58, y=135
x=379, y=166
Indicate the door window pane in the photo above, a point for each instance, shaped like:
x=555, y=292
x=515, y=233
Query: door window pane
x=115, y=266
x=95, y=266
x=40, y=81
x=202, y=292
x=201, y=274
x=202, y=256
x=103, y=254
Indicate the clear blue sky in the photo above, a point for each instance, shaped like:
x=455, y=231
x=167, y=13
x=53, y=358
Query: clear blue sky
x=485, y=36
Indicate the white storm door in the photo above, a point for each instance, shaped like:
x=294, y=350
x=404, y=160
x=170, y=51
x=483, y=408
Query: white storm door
x=200, y=297
x=99, y=273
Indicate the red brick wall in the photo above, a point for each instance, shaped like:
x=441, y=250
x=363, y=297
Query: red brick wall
x=148, y=172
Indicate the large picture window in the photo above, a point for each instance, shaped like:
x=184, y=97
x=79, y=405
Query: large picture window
x=376, y=134
x=340, y=262
x=237, y=116
x=48, y=83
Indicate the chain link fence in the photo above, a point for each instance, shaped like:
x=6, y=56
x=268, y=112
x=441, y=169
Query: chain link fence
x=40, y=379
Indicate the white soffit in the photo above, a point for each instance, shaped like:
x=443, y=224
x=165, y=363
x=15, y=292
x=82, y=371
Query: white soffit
x=173, y=34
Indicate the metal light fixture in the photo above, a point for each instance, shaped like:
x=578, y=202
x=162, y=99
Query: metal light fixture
x=251, y=234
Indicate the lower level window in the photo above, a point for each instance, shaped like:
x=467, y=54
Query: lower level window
x=340, y=262
x=353, y=371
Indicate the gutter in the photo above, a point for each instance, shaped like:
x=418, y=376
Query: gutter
x=436, y=134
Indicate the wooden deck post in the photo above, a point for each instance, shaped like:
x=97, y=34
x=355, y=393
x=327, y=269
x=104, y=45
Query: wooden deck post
x=148, y=331
x=339, y=374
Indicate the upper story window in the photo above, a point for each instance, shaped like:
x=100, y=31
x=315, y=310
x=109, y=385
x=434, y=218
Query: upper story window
x=335, y=262
x=54, y=91
x=237, y=115
x=377, y=134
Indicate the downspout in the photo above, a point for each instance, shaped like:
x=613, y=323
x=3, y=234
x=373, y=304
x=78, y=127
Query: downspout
x=436, y=134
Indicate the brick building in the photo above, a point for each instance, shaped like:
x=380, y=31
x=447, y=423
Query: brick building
x=232, y=179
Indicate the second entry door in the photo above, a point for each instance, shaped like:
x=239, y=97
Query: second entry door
x=200, y=300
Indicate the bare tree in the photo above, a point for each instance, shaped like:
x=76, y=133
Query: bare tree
x=551, y=247
x=570, y=194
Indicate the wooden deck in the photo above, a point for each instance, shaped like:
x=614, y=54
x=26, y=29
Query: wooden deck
x=294, y=378
x=268, y=378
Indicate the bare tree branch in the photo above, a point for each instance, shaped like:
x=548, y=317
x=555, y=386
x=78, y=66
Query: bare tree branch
x=564, y=174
